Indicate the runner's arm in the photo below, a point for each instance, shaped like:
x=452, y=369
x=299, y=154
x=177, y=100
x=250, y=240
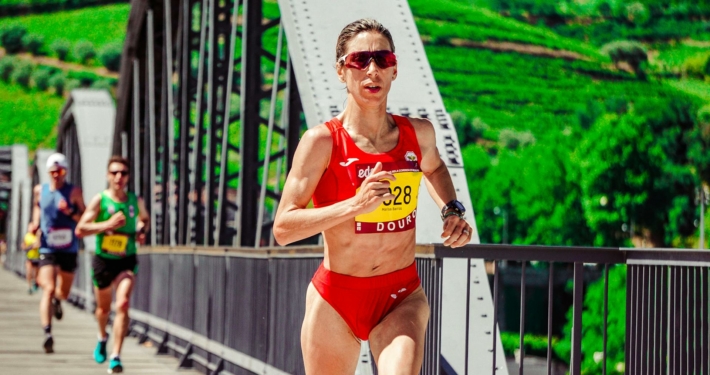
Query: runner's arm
x=35, y=207
x=86, y=225
x=294, y=221
x=26, y=246
x=77, y=198
x=143, y=217
x=436, y=174
x=456, y=231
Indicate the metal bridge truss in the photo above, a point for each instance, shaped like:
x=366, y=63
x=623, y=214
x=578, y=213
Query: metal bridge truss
x=211, y=170
x=185, y=66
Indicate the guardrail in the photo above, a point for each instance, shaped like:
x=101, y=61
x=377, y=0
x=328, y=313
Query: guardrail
x=667, y=320
x=226, y=310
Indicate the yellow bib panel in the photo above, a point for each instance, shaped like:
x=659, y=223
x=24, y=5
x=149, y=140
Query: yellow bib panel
x=397, y=214
x=115, y=244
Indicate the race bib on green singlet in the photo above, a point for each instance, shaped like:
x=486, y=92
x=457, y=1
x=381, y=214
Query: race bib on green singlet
x=399, y=213
x=115, y=244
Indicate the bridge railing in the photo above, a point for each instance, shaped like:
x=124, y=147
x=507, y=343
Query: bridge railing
x=667, y=317
x=226, y=310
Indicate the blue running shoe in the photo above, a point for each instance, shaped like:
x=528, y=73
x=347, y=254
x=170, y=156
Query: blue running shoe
x=114, y=366
x=100, y=351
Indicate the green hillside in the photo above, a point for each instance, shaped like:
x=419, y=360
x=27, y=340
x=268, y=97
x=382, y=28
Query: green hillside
x=446, y=19
x=99, y=25
x=28, y=117
x=524, y=120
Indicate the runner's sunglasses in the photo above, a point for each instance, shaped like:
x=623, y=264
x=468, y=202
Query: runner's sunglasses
x=361, y=59
x=120, y=173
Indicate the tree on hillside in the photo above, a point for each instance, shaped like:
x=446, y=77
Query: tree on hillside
x=630, y=52
x=11, y=37
x=699, y=144
x=537, y=188
x=636, y=176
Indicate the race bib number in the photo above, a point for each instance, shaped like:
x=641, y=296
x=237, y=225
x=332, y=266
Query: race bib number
x=399, y=213
x=115, y=244
x=60, y=238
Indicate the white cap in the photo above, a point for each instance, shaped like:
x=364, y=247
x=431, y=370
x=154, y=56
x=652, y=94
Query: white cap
x=57, y=160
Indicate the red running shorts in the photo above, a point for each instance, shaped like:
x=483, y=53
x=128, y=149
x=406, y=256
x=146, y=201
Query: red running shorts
x=364, y=301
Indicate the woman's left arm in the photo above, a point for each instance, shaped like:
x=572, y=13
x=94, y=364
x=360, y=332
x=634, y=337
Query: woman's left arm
x=456, y=231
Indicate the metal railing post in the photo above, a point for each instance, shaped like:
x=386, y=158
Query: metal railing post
x=550, y=285
x=496, y=282
x=522, y=318
x=577, y=306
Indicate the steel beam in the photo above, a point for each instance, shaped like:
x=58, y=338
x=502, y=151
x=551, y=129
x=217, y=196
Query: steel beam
x=220, y=31
x=250, y=119
x=201, y=185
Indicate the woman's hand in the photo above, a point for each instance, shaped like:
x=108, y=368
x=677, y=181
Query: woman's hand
x=457, y=232
x=374, y=190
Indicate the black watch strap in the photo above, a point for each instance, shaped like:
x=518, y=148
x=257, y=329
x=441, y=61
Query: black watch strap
x=453, y=205
x=452, y=213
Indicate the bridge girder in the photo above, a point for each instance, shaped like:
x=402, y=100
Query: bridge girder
x=202, y=177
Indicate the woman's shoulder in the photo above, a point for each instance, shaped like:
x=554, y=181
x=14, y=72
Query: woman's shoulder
x=319, y=136
x=421, y=126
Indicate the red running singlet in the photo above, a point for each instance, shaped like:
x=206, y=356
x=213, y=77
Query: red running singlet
x=349, y=166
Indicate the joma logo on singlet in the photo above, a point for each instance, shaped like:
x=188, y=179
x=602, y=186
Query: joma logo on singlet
x=350, y=161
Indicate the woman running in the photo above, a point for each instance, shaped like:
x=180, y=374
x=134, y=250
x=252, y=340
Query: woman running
x=362, y=169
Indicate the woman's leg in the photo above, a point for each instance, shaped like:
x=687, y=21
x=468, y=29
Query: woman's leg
x=329, y=346
x=29, y=273
x=397, y=343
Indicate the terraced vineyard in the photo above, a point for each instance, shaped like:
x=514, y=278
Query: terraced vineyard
x=446, y=19
x=28, y=117
x=98, y=25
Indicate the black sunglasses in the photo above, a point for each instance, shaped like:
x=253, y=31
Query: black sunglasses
x=122, y=173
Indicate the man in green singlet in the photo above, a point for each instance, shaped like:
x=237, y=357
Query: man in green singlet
x=119, y=220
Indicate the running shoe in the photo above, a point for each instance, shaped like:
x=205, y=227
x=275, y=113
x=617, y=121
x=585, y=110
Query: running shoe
x=100, y=351
x=114, y=366
x=29, y=291
x=58, y=313
x=35, y=286
x=49, y=344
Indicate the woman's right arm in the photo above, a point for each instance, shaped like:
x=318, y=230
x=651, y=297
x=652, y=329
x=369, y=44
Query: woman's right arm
x=294, y=221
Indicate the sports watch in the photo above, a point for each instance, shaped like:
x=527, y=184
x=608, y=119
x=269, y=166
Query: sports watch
x=453, y=208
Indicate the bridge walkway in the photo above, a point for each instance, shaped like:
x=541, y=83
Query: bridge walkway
x=21, y=339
